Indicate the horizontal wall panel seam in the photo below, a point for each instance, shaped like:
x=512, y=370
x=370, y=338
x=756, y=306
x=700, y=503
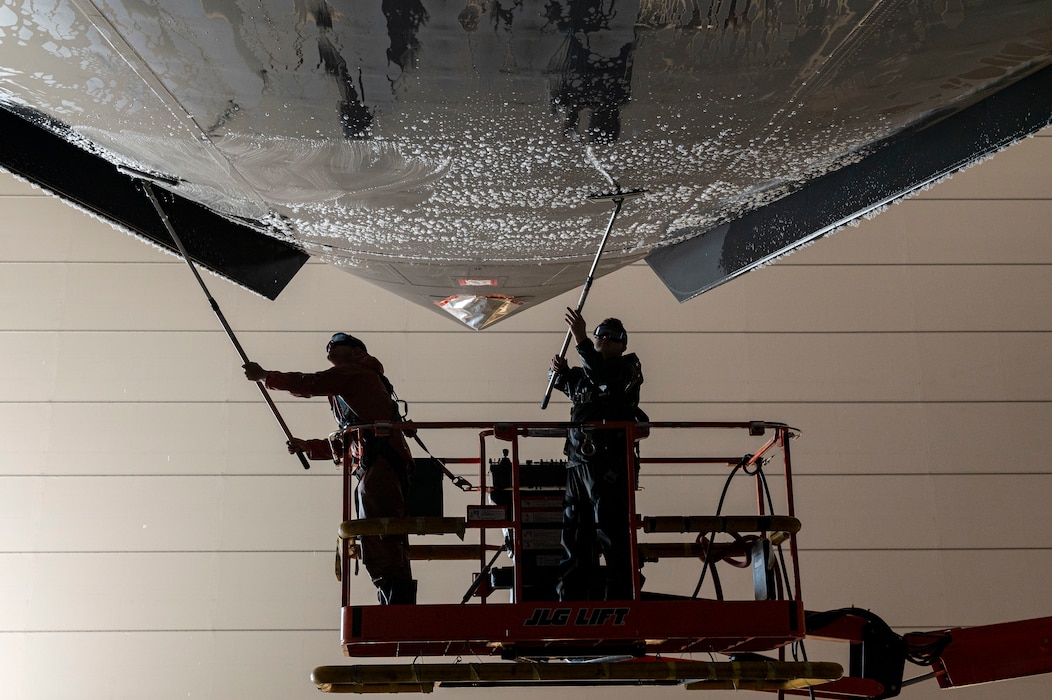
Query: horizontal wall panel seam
x=797, y=475
x=312, y=552
x=787, y=262
x=727, y=402
x=199, y=630
x=545, y=333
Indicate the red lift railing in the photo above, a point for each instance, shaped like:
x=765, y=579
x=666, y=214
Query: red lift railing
x=485, y=516
x=649, y=639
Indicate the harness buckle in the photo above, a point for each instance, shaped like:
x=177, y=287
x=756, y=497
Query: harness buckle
x=336, y=446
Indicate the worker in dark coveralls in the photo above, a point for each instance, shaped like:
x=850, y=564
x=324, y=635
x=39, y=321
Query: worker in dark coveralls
x=359, y=393
x=596, y=514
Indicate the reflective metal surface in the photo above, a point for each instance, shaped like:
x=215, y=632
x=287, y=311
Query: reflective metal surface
x=433, y=146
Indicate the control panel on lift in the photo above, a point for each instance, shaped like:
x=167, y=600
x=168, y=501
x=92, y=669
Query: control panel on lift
x=542, y=487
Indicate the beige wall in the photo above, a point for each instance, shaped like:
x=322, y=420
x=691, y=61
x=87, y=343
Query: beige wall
x=157, y=542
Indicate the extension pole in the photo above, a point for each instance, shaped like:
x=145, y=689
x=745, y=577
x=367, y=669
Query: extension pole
x=618, y=198
x=148, y=188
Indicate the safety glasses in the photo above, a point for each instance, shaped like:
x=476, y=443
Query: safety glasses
x=608, y=333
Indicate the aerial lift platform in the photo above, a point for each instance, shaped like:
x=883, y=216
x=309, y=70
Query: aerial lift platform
x=510, y=620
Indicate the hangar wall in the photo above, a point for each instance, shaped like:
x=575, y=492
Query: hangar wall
x=156, y=539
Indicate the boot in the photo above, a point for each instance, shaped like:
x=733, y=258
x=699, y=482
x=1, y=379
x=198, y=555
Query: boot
x=397, y=592
x=621, y=589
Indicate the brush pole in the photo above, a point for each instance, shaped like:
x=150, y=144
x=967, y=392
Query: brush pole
x=618, y=201
x=148, y=188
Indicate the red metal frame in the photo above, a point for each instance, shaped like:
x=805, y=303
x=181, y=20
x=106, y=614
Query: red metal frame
x=569, y=629
x=995, y=652
x=550, y=628
x=666, y=625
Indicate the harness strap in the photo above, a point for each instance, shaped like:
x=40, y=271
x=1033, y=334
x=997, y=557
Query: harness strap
x=458, y=481
x=349, y=418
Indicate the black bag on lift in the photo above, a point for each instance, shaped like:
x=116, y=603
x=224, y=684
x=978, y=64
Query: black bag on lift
x=424, y=499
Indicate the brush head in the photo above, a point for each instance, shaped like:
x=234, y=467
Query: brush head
x=156, y=178
x=615, y=196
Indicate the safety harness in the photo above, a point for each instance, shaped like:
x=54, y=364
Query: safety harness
x=346, y=418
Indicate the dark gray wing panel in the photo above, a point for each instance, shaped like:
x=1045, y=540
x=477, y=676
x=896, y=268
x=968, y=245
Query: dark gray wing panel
x=31, y=147
x=941, y=146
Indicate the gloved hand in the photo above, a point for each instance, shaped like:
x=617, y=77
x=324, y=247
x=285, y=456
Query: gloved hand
x=253, y=372
x=577, y=325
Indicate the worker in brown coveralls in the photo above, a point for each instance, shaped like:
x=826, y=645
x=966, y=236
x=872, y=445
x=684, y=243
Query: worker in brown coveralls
x=360, y=394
